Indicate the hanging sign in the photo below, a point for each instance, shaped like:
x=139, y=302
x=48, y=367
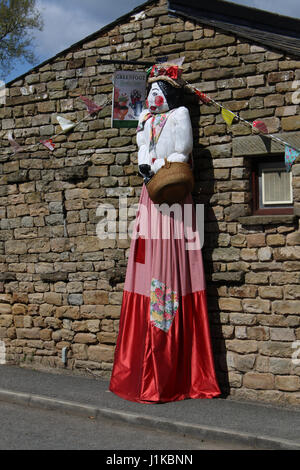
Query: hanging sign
x=128, y=98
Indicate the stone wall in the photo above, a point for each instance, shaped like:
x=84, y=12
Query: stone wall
x=60, y=286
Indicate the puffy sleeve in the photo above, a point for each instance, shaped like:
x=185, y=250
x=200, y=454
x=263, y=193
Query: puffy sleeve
x=183, y=136
x=143, y=152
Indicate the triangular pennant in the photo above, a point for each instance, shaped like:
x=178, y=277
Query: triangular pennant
x=202, y=96
x=65, y=124
x=261, y=126
x=15, y=146
x=49, y=144
x=228, y=116
x=91, y=106
x=290, y=156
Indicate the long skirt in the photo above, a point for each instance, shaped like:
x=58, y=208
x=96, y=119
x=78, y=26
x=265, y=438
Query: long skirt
x=163, y=350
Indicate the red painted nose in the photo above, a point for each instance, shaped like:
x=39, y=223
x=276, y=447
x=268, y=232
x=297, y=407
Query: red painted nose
x=159, y=101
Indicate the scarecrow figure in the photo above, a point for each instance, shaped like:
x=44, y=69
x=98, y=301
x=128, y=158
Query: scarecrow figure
x=163, y=351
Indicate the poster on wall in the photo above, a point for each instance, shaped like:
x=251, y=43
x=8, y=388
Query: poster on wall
x=128, y=98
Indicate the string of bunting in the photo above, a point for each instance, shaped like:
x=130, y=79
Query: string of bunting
x=65, y=124
x=291, y=153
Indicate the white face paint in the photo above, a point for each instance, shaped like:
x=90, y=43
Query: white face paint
x=156, y=101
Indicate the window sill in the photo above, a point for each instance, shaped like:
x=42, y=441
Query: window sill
x=267, y=219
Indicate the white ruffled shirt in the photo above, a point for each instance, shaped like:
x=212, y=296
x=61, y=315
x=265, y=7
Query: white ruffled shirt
x=175, y=141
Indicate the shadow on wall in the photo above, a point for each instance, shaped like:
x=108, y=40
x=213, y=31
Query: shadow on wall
x=204, y=193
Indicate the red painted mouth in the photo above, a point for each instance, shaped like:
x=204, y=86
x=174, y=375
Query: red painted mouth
x=153, y=108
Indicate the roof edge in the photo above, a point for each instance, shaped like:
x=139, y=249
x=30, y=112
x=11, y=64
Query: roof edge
x=238, y=11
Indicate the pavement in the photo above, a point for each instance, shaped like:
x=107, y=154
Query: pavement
x=256, y=425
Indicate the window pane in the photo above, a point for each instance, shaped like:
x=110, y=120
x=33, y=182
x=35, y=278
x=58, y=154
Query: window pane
x=276, y=186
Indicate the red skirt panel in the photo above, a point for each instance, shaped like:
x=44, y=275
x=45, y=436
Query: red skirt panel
x=152, y=365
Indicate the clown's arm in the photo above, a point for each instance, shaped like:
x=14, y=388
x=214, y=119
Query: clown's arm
x=183, y=136
x=143, y=152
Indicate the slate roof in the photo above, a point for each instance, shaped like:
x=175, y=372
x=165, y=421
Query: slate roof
x=270, y=29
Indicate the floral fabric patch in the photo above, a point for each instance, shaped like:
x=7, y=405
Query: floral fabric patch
x=164, y=304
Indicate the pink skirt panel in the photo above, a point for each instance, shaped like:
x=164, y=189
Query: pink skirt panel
x=155, y=251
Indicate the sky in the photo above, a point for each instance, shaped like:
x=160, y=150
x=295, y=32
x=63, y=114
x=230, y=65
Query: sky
x=69, y=21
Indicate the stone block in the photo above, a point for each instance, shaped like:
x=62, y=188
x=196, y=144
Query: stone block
x=293, y=238
x=258, y=381
x=105, y=337
x=85, y=338
x=268, y=292
x=282, y=334
x=287, y=383
x=258, y=333
x=244, y=362
x=265, y=254
x=15, y=247
x=275, y=349
x=46, y=335
x=102, y=353
x=256, y=305
x=5, y=320
x=53, y=298
x=279, y=366
x=226, y=254
x=242, y=346
x=39, y=245
x=290, y=123
x=275, y=240
x=230, y=304
x=95, y=297
x=19, y=309
x=243, y=291
x=28, y=333
x=86, y=244
x=242, y=319
x=75, y=299
x=291, y=307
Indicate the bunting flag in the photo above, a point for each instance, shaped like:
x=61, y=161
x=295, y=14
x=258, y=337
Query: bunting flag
x=65, y=124
x=49, y=144
x=202, y=97
x=260, y=126
x=290, y=156
x=228, y=116
x=15, y=146
x=91, y=106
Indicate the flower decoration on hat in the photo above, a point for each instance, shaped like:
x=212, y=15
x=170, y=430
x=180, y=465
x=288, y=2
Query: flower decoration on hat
x=166, y=72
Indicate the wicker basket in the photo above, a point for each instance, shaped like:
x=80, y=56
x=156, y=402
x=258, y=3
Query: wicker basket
x=171, y=183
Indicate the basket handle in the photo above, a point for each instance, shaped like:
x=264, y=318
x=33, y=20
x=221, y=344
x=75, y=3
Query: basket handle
x=167, y=163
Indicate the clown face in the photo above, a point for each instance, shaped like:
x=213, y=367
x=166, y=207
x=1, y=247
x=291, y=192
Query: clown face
x=156, y=101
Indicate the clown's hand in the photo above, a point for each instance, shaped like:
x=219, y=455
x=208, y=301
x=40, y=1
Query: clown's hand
x=159, y=162
x=177, y=157
x=145, y=171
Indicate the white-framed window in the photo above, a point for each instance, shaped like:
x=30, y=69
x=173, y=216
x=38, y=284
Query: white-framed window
x=276, y=185
x=272, y=190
